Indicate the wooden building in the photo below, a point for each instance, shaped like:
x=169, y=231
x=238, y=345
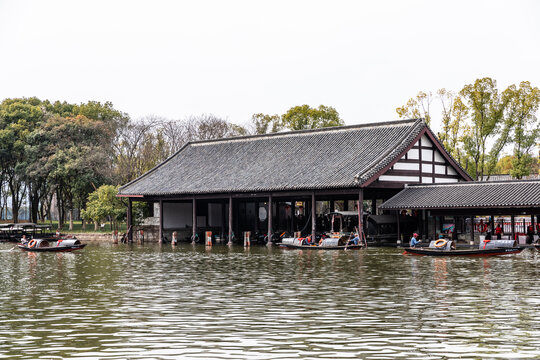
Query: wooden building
x=460, y=204
x=279, y=181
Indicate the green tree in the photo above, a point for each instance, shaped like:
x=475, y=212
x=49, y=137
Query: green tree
x=305, y=117
x=521, y=110
x=72, y=155
x=265, y=124
x=504, y=165
x=487, y=125
x=103, y=204
x=417, y=107
x=18, y=118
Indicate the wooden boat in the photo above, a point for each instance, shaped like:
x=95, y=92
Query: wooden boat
x=42, y=245
x=443, y=247
x=464, y=252
x=316, y=247
x=325, y=244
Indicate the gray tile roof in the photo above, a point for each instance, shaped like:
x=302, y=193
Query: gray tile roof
x=518, y=193
x=328, y=158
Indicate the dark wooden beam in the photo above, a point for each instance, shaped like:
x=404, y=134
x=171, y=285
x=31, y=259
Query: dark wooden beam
x=415, y=173
x=472, y=227
x=269, y=220
x=513, y=223
x=129, y=221
x=194, y=220
x=230, y=220
x=160, y=240
x=313, y=217
x=420, y=160
x=361, y=213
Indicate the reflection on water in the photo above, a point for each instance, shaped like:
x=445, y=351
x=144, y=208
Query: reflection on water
x=117, y=302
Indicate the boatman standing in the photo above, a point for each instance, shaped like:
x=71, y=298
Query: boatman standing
x=414, y=240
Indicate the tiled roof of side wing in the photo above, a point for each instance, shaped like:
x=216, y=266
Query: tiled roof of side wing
x=525, y=193
x=311, y=159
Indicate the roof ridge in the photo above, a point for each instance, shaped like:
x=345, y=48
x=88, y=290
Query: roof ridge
x=308, y=131
x=385, y=154
x=475, y=183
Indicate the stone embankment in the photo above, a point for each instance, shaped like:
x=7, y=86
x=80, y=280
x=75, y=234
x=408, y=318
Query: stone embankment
x=148, y=233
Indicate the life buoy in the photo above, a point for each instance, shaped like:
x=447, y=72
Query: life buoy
x=440, y=243
x=58, y=243
x=32, y=243
x=485, y=242
x=482, y=228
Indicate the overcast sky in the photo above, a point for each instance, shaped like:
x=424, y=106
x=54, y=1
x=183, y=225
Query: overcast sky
x=236, y=58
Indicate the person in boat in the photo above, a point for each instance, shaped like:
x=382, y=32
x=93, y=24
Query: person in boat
x=488, y=235
x=307, y=240
x=354, y=241
x=414, y=240
x=174, y=240
x=498, y=231
x=24, y=240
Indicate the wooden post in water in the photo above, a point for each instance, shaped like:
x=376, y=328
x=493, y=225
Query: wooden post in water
x=160, y=240
x=270, y=220
x=230, y=220
x=194, y=221
x=129, y=221
x=313, y=217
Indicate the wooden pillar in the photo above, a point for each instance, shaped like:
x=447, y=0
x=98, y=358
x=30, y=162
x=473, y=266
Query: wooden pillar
x=472, y=228
x=293, y=216
x=332, y=206
x=345, y=205
x=434, y=227
x=513, y=224
x=194, y=221
x=269, y=220
x=455, y=233
x=425, y=223
x=492, y=224
x=361, y=213
x=313, y=217
x=230, y=220
x=160, y=240
x=129, y=221
x=398, y=227
x=533, y=225
x=256, y=217
x=374, y=206
x=222, y=220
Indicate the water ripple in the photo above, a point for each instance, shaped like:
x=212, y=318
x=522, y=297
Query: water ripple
x=151, y=302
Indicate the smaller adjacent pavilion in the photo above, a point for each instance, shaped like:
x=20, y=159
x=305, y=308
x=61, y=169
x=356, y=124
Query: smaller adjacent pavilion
x=286, y=182
x=461, y=203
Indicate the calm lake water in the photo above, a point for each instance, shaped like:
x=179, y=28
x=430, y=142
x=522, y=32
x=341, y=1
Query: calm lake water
x=151, y=302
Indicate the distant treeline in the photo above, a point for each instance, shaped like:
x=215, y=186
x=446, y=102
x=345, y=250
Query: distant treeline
x=480, y=123
x=63, y=152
